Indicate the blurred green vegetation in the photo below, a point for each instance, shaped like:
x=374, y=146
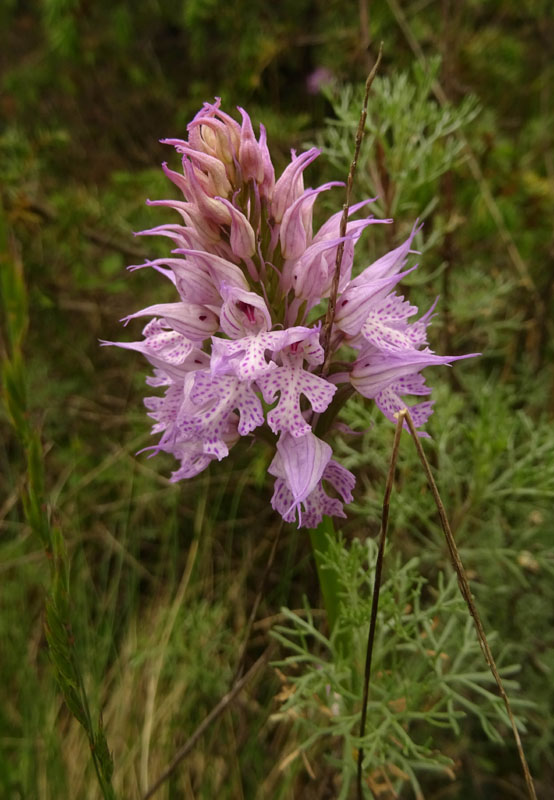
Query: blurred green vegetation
x=86, y=92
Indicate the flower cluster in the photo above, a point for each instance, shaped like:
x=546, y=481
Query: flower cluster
x=240, y=347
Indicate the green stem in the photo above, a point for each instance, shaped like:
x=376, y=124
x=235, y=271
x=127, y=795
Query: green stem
x=321, y=539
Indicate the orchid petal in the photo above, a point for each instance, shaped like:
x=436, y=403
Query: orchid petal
x=389, y=264
x=300, y=463
x=291, y=185
x=245, y=357
x=291, y=381
x=194, y=321
x=243, y=313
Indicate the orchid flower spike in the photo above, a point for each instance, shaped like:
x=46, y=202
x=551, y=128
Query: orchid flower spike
x=248, y=272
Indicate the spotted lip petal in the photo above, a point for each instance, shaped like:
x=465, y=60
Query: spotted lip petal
x=357, y=302
x=291, y=381
x=166, y=346
x=246, y=357
x=387, y=330
x=194, y=457
x=223, y=394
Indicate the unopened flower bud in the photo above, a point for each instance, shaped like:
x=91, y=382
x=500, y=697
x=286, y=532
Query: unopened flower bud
x=250, y=155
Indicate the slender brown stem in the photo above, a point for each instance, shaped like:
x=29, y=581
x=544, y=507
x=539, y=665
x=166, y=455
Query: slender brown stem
x=465, y=589
x=376, y=589
x=331, y=307
x=216, y=712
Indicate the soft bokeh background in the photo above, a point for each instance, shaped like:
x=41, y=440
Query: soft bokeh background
x=163, y=576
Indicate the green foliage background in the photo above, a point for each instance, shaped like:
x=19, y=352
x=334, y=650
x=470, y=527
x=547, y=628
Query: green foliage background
x=163, y=577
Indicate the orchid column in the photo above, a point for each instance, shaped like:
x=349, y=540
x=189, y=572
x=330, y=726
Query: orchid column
x=248, y=271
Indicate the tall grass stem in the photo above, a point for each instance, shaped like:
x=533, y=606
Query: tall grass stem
x=465, y=590
x=376, y=589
